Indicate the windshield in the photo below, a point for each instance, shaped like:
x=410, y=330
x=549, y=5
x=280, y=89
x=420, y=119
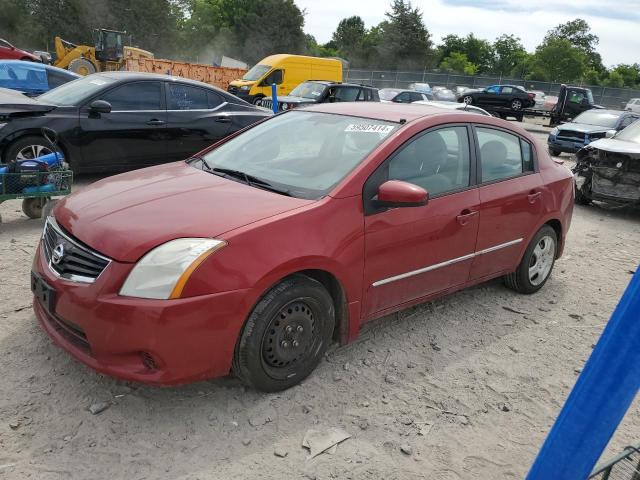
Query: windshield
x=303, y=153
x=630, y=133
x=388, y=93
x=308, y=90
x=75, y=92
x=601, y=119
x=256, y=72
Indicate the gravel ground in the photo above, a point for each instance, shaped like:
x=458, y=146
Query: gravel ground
x=463, y=387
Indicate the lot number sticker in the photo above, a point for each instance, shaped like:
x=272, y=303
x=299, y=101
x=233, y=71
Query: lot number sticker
x=369, y=128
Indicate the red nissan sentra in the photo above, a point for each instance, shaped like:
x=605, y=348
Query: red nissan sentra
x=253, y=256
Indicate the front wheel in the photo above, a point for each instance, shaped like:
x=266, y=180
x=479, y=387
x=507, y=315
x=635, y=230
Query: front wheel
x=32, y=207
x=28, y=148
x=286, y=335
x=468, y=99
x=536, y=264
x=257, y=99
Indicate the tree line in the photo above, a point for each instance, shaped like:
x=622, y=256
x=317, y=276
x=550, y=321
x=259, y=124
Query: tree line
x=199, y=30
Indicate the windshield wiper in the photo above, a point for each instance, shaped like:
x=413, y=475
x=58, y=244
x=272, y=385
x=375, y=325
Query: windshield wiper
x=250, y=180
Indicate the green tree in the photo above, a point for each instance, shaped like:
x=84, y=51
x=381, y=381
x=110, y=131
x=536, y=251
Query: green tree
x=349, y=35
x=629, y=73
x=578, y=33
x=592, y=77
x=479, y=52
x=615, y=80
x=509, y=54
x=404, y=40
x=557, y=60
x=458, y=62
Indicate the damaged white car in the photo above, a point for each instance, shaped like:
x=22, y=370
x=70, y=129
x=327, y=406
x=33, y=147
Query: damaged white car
x=608, y=170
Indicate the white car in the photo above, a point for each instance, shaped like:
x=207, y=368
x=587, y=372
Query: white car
x=633, y=105
x=455, y=106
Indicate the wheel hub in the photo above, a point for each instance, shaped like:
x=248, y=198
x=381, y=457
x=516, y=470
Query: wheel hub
x=542, y=260
x=289, y=335
x=32, y=151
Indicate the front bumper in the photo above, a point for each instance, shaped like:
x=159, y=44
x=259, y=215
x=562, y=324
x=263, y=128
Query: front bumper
x=162, y=342
x=564, y=145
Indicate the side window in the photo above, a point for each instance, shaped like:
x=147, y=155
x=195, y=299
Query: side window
x=494, y=89
x=437, y=161
x=507, y=90
x=56, y=79
x=404, y=97
x=527, y=156
x=501, y=155
x=628, y=120
x=277, y=77
x=214, y=99
x=186, y=97
x=135, y=96
x=576, y=97
x=415, y=97
x=346, y=94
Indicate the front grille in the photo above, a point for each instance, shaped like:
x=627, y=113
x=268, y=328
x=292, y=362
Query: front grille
x=266, y=103
x=71, y=332
x=571, y=134
x=68, y=258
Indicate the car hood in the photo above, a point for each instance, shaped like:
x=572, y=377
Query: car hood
x=617, y=146
x=14, y=103
x=583, y=127
x=293, y=99
x=125, y=216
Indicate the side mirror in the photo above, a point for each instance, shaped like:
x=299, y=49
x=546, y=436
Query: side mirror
x=100, y=106
x=610, y=133
x=396, y=193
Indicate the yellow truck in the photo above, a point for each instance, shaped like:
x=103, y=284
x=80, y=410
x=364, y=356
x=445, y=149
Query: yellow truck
x=286, y=71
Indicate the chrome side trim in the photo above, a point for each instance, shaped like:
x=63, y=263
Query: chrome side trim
x=445, y=264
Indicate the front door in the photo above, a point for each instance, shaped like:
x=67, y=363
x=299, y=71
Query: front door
x=510, y=201
x=416, y=251
x=196, y=118
x=132, y=134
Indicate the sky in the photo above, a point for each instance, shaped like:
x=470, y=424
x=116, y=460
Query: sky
x=616, y=23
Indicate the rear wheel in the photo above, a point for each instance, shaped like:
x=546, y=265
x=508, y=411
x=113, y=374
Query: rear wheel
x=536, y=264
x=468, y=99
x=516, y=104
x=286, y=335
x=27, y=148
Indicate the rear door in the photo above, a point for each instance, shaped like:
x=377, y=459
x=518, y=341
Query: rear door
x=511, y=194
x=196, y=118
x=417, y=251
x=133, y=134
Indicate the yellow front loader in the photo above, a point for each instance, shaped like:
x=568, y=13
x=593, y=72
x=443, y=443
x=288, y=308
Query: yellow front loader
x=108, y=53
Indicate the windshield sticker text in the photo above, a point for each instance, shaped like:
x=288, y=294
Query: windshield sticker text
x=369, y=128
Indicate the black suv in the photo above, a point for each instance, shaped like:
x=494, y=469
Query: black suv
x=319, y=91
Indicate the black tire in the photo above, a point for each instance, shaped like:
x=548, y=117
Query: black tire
x=286, y=335
x=521, y=280
x=257, y=99
x=553, y=152
x=32, y=207
x=24, y=143
x=468, y=99
x=516, y=104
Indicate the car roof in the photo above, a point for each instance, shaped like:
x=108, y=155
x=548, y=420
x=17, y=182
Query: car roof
x=342, y=84
x=39, y=66
x=607, y=112
x=390, y=112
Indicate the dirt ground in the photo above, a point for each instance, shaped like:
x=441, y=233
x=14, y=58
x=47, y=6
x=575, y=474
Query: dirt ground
x=467, y=385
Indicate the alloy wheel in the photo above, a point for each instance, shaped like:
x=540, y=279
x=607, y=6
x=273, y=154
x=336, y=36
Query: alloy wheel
x=542, y=260
x=516, y=105
x=32, y=151
x=468, y=99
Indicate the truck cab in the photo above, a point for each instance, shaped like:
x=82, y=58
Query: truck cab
x=287, y=72
x=572, y=101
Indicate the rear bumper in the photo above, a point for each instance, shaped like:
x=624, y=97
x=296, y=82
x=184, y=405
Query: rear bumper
x=161, y=342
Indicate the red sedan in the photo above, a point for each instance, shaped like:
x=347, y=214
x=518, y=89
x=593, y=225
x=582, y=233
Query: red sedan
x=255, y=255
x=9, y=52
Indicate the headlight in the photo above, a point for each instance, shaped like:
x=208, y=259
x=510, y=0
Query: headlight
x=244, y=88
x=554, y=132
x=163, y=272
x=285, y=106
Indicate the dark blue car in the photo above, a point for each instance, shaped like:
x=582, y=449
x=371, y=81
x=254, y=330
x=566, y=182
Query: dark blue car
x=32, y=78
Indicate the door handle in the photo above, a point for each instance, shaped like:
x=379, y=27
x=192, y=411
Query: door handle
x=534, y=196
x=223, y=120
x=155, y=121
x=465, y=216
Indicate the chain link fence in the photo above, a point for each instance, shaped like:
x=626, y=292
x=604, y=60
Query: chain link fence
x=607, y=97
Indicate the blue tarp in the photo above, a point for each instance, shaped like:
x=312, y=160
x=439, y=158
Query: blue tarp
x=29, y=77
